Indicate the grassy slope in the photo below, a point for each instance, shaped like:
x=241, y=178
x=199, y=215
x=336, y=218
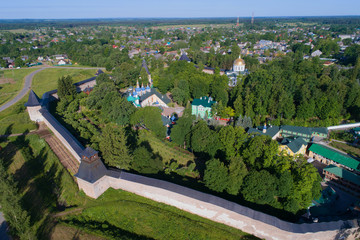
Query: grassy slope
x=42, y=180
x=121, y=212
x=46, y=80
x=15, y=120
x=9, y=90
x=146, y=219
x=166, y=149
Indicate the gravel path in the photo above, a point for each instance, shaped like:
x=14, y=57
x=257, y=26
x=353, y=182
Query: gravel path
x=23, y=92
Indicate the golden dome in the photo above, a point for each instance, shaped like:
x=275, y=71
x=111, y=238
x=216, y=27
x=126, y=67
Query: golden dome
x=239, y=62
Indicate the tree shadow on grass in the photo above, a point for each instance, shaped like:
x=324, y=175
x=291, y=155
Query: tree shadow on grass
x=103, y=228
x=10, y=150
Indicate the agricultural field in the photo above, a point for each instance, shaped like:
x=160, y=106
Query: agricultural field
x=46, y=80
x=11, y=82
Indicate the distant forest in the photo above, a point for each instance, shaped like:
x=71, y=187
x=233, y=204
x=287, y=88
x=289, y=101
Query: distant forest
x=7, y=24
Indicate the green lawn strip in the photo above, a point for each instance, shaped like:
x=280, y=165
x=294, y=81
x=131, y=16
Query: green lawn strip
x=355, y=151
x=166, y=150
x=17, y=78
x=46, y=80
x=150, y=219
x=15, y=119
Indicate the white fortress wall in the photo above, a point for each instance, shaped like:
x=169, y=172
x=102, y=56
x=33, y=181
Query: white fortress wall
x=218, y=209
x=62, y=134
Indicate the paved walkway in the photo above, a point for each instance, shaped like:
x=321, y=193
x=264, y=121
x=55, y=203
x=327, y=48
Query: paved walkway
x=23, y=92
x=27, y=85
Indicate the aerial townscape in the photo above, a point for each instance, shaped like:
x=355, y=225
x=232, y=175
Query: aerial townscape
x=125, y=122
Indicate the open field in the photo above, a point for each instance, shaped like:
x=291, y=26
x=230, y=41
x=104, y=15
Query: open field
x=199, y=25
x=46, y=187
x=20, y=30
x=11, y=82
x=167, y=150
x=15, y=119
x=46, y=80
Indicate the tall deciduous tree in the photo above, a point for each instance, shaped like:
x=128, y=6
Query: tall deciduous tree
x=216, y=175
x=145, y=161
x=203, y=139
x=237, y=173
x=149, y=117
x=259, y=187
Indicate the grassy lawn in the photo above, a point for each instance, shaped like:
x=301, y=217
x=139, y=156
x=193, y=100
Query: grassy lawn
x=63, y=232
x=15, y=119
x=83, y=66
x=47, y=189
x=167, y=150
x=46, y=80
x=355, y=151
x=11, y=82
x=134, y=217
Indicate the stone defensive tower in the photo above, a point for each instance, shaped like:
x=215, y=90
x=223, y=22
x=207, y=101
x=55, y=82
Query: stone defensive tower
x=33, y=106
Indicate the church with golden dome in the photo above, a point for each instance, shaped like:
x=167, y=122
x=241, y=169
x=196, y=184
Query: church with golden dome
x=238, y=69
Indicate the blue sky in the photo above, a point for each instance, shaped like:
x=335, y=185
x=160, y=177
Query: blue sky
x=50, y=9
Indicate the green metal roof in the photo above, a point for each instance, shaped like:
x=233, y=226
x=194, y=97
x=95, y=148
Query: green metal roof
x=343, y=173
x=270, y=131
x=304, y=130
x=203, y=101
x=296, y=129
x=335, y=156
x=295, y=144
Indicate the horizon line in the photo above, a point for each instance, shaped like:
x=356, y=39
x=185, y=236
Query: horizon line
x=120, y=18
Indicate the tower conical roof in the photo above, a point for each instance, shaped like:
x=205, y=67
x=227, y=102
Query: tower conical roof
x=33, y=100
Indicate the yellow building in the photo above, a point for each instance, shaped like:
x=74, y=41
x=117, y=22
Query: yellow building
x=293, y=147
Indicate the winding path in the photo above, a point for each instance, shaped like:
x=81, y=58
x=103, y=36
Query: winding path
x=27, y=85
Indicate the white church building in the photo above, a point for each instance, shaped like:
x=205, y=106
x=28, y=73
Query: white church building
x=238, y=69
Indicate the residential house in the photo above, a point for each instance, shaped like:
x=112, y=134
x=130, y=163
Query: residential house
x=317, y=53
x=64, y=62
